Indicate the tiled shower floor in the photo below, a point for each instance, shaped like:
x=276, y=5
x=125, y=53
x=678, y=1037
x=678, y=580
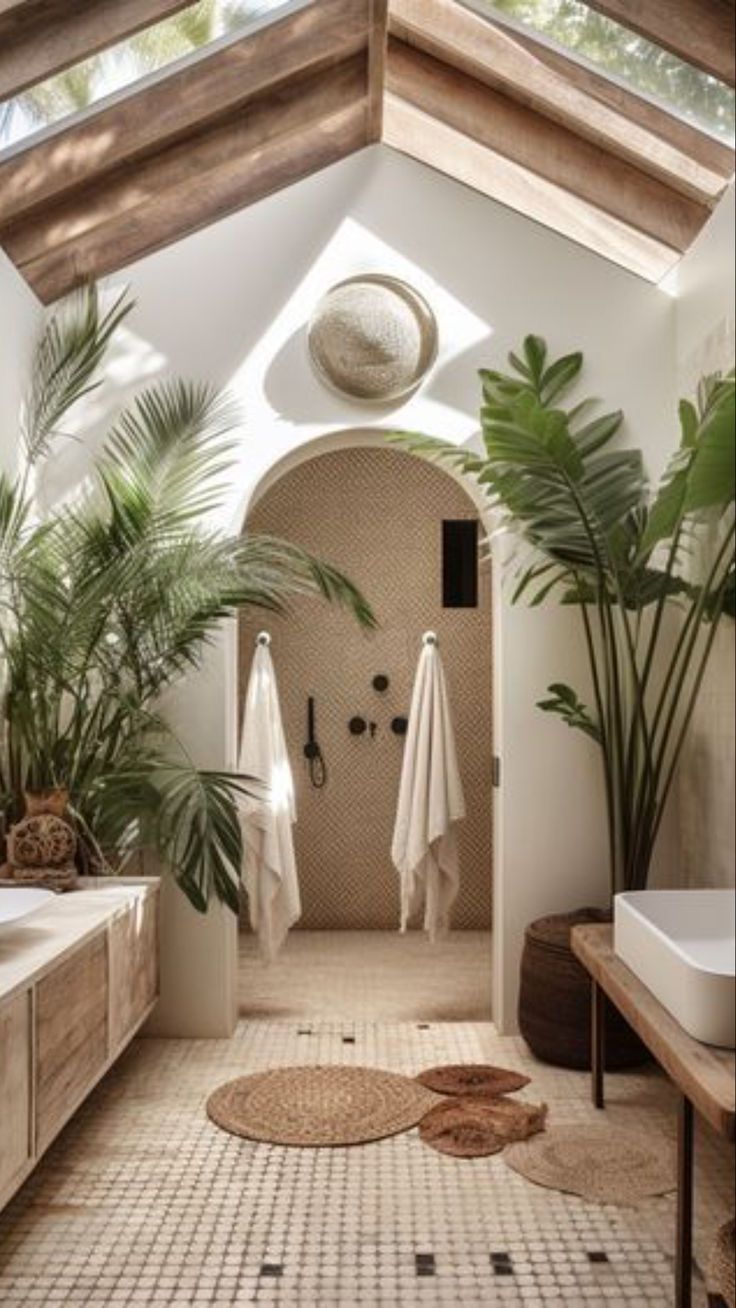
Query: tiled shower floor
x=143, y=1201
x=370, y=975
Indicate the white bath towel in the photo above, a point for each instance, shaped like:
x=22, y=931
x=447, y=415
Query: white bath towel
x=424, y=848
x=269, y=865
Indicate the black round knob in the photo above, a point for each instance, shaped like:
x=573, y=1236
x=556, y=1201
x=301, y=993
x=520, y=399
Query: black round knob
x=380, y=682
x=400, y=726
x=357, y=725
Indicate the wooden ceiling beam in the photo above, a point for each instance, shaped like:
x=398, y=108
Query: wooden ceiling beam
x=377, y=67
x=414, y=133
x=39, y=38
x=713, y=154
x=282, y=138
x=543, y=147
x=699, y=31
x=313, y=38
x=493, y=55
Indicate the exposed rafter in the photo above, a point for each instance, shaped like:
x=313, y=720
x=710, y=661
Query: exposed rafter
x=41, y=37
x=700, y=31
x=544, y=147
x=493, y=109
x=495, y=56
x=314, y=38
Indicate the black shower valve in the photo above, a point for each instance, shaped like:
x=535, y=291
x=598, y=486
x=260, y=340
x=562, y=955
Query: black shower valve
x=400, y=726
x=381, y=682
x=357, y=726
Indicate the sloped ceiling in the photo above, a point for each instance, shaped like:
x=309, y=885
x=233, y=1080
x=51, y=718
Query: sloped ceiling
x=498, y=111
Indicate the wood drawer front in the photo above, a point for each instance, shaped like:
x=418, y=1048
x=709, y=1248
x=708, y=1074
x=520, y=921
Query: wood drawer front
x=15, y=1086
x=71, y=1035
x=133, y=967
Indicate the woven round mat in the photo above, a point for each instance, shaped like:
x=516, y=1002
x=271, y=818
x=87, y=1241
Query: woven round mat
x=470, y=1079
x=475, y=1128
x=316, y=1106
x=601, y=1163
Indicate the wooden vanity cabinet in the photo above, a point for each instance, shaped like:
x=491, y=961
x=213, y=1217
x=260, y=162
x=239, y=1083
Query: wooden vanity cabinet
x=65, y=1023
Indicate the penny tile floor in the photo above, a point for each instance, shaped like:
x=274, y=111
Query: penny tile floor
x=143, y=1201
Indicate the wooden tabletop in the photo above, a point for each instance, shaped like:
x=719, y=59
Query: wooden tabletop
x=705, y=1074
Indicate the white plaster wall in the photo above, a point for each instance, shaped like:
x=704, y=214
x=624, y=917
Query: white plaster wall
x=20, y=314
x=705, y=342
x=230, y=304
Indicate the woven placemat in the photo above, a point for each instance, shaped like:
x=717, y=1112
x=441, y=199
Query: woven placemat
x=470, y=1079
x=605, y=1164
x=320, y=1106
x=475, y=1127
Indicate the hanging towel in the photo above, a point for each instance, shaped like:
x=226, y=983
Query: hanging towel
x=269, y=865
x=424, y=848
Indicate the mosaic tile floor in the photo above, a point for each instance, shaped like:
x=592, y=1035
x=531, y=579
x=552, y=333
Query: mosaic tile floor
x=371, y=976
x=143, y=1201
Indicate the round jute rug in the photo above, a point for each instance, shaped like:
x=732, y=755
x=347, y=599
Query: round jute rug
x=605, y=1164
x=469, y=1079
x=317, y=1106
x=475, y=1127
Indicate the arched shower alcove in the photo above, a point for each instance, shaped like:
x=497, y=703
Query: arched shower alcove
x=377, y=513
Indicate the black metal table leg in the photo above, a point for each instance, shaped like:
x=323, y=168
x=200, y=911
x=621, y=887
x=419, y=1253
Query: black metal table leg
x=597, y=1041
x=684, y=1249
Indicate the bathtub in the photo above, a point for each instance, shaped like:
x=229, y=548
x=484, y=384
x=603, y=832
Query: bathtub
x=18, y=902
x=681, y=943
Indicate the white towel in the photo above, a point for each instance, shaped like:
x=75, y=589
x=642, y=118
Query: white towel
x=424, y=848
x=269, y=865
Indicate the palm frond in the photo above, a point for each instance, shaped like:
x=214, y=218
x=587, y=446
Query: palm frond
x=66, y=364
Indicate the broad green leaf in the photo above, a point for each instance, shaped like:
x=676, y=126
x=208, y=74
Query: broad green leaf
x=711, y=478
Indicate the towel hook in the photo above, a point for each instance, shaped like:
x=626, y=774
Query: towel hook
x=263, y=638
x=430, y=638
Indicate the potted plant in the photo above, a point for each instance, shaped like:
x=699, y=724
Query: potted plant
x=590, y=533
x=110, y=598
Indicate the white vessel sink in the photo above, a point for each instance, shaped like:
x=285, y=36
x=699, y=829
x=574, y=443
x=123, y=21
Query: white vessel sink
x=16, y=903
x=680, y=944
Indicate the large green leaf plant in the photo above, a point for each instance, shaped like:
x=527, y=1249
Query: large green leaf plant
x=110, y=599
x=651, y=572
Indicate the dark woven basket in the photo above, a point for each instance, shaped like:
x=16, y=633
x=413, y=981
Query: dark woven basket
x=721, y=1270
x=554, y=999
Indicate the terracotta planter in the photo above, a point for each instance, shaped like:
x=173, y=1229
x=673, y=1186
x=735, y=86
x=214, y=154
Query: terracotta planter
x=554, y=999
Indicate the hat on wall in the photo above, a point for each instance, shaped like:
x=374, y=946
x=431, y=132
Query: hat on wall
x=373, y=338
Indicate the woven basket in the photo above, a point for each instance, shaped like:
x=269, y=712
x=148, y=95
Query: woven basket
x=554, y=999
x=721, y=1271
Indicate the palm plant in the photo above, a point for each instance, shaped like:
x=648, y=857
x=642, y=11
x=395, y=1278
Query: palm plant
x=110, y=599
x=589, y=531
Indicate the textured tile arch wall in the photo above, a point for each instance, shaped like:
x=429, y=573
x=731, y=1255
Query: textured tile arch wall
x=377, y=514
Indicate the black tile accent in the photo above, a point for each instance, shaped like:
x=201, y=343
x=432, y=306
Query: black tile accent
x=272, y=1269
x=501, y=1263
x=304, y=1031
x=597, y=1256
x=424, y=1264
x=348, y=1040
x=423, y=1026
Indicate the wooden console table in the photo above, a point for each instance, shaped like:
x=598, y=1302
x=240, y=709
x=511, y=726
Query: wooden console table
x=703, y=1074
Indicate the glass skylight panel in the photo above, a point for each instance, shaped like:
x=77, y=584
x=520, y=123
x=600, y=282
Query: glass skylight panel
x=624, y=56
x=122, y=65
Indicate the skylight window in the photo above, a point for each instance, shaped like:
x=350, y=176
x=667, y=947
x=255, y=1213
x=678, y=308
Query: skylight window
x=122, y=65
x=624, y=56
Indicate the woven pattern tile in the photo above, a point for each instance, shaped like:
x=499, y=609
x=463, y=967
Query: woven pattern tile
x=377, y=514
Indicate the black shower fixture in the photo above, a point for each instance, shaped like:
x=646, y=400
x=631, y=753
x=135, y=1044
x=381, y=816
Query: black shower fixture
x=357, y=726
x=381, y=682
x=400, y=726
